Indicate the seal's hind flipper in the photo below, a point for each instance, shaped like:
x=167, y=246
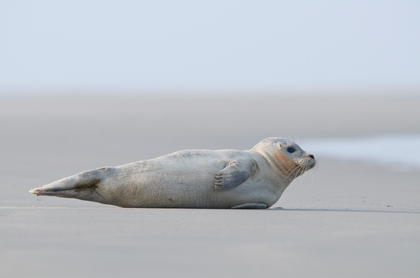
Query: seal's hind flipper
x=57, y=188
x=235, y=173
x=250, y=206
x=80, y=186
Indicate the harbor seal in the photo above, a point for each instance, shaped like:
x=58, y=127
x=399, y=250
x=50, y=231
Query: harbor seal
x=221, y=179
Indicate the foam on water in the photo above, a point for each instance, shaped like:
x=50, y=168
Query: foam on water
x=398, y=151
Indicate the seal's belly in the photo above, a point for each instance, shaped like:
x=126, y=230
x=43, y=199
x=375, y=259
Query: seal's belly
x=186, y=189
x=164, y=184
x=181, y=181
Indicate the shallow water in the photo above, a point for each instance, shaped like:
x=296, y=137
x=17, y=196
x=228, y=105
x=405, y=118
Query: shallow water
x=397, y=150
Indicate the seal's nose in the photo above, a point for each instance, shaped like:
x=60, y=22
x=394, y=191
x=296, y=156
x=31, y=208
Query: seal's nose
x=312, y=156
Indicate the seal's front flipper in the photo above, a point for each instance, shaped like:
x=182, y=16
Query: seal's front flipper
x=250, y=206
x=235, y=173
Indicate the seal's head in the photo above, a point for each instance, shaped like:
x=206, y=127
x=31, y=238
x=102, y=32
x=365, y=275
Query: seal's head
x=286, y=155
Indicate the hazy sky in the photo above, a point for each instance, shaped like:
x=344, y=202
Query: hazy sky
x=209, y=44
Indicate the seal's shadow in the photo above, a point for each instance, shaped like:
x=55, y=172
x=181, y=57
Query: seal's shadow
x=347, y=210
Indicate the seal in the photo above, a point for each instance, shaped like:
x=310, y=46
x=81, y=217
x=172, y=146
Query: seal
x=251, y=179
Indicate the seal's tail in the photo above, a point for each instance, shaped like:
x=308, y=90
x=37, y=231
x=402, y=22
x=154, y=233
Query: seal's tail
x=81, y=186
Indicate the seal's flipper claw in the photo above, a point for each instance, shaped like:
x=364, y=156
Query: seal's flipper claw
x=234, y=174
x=35, y=191
x=250, y=206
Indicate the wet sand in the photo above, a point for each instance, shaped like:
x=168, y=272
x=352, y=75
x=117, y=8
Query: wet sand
x=342, y=219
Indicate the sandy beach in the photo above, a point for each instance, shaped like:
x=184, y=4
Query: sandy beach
x=342, y=219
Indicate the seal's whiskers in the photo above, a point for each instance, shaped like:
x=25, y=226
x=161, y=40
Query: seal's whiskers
x=293, y=172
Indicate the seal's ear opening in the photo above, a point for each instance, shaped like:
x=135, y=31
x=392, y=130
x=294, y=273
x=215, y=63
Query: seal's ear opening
x=280, y=145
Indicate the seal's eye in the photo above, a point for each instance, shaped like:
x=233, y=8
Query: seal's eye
x=291, y=150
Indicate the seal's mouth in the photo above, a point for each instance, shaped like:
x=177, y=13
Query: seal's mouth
x=303, y=164
x=312, y=165
x=296, y=170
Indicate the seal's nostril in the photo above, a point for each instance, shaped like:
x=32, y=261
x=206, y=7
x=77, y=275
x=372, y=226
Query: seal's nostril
x=312, y=156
